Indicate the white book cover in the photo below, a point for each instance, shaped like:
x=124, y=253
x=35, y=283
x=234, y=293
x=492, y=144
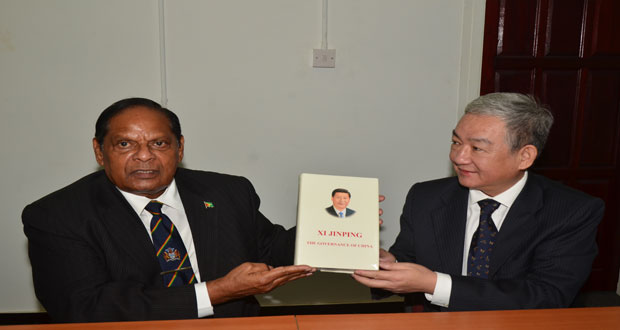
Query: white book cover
x=337, y=223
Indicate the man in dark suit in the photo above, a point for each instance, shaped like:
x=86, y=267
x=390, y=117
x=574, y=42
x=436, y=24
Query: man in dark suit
x=91, y=244
x=340, y=200
x=494, y=236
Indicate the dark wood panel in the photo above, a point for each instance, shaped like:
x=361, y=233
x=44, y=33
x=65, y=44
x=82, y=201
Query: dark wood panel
x=601, y=119
x=564, y=26
x=559, y=92
x=567, y=53
x=516, y=29
x=514, y=81
x=606, y=33
x=555, y=62
x=490, y=47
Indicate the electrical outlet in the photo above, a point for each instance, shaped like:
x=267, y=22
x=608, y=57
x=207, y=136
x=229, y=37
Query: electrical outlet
x=324, y=58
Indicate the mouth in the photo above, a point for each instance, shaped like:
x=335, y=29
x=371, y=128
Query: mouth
x=145, y=174
x=461, y=171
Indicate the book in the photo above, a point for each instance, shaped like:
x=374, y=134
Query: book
x=337, y=223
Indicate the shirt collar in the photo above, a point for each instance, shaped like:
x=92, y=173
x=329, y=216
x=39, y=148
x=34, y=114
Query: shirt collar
x=338, y=211
x=170, y=197
x=506, y=198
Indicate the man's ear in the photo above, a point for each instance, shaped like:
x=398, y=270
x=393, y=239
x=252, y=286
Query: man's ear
x=527, y=156
x=98, y=152
x=181, y=147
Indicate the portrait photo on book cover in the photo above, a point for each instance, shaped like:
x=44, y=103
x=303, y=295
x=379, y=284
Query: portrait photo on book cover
x=330, y=241
x=340, y=200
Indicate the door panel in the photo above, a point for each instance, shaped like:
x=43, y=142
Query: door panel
x=567, y=54
x=564, y=24
x=601, y=119
x=514, y=41
x=514, y=80
x=559, y=87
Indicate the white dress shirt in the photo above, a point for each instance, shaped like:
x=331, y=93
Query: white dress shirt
x=173, y=208
x=443, y=287
x=344, y=212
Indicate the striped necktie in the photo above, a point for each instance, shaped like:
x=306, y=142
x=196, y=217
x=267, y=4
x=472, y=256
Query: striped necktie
x=483, y=241
x=175, y=266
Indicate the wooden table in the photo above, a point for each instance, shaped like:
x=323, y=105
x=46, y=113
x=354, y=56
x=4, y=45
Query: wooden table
x=600, y=318
x=250, y=323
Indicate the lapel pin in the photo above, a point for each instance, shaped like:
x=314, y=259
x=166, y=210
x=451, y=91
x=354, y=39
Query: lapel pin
x=209, y=205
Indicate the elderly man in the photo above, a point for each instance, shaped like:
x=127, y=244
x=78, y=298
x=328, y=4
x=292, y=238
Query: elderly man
x=495, y=236
x=143, y=239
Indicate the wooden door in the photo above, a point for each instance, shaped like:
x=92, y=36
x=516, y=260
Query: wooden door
x=567, y=54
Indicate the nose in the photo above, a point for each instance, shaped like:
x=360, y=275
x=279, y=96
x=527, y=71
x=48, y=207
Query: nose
x=144, y=153
x=460, y=154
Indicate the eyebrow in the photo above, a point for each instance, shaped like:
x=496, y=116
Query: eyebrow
x=483, y=140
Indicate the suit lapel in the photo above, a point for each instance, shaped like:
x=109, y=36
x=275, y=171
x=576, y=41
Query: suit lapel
x=520, y=222
x=204, y=226
x=449, y=222
x=126, y=227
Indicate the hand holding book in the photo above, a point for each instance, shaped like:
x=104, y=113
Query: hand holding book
x=253, y=278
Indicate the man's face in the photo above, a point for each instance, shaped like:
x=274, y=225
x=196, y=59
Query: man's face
x=340, y=200
x=482, y=158
x=140, y=153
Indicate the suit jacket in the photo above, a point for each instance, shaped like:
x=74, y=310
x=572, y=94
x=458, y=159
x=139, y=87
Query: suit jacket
x=92, y=259
x=330, y=210
x=544, y=249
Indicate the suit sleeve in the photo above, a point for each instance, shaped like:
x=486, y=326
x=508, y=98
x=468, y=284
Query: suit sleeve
x=73, y=280
x=558, y=268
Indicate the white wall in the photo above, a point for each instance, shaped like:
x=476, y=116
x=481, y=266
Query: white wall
x=240, y=79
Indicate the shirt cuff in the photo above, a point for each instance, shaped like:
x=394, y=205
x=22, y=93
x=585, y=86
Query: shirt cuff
x=443, y=289
x=203, y=302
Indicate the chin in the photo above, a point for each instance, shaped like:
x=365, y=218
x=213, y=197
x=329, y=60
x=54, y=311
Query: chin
x=149, y=191
x=466, y=183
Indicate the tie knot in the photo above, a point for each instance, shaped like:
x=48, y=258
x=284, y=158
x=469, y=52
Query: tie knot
x=488, y=206
x=154, y=207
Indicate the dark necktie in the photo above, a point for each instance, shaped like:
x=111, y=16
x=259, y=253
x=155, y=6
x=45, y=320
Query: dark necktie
x=483, y=241
x=171, y=253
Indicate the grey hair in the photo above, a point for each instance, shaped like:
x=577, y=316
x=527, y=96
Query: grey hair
x=527, y=121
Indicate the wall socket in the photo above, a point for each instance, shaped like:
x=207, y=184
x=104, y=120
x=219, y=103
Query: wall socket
x=324, y=58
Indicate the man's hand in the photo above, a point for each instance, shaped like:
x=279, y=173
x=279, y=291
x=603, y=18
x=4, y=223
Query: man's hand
x=253, y=278
x=386, y=257
x=398, y=277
